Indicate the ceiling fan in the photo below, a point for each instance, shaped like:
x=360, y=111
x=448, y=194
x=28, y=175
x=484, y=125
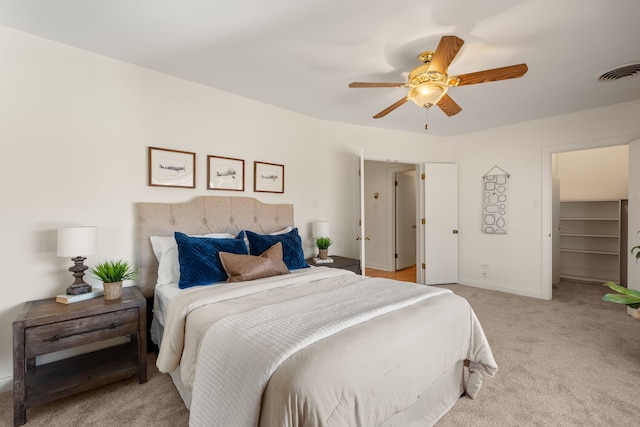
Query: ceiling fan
x=428, y=83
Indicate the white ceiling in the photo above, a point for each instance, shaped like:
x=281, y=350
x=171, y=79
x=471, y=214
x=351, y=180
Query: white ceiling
x=301, y=55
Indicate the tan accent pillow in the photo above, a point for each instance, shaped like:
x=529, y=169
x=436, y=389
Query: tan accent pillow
x=241, y=268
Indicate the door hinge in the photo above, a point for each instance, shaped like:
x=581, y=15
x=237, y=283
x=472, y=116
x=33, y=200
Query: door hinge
x=424, y=266
x=424, y=221
x=396, y=255
x=359, y=222
x=396, y=183
x=359, y=172
x=423, y=176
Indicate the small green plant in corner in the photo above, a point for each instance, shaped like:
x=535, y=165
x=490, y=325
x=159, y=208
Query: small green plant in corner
x=627, y=296
x=112, y=271
x=323, y=242
x=636, y=249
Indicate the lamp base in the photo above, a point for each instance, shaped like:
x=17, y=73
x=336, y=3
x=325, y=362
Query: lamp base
x=79, y=288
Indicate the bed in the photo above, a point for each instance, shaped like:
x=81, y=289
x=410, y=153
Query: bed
x=308, y=346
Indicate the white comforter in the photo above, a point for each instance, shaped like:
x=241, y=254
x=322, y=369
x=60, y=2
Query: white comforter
x=231, y=374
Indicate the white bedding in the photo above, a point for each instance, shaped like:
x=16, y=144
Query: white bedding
x=400, y=367
x=225, y=395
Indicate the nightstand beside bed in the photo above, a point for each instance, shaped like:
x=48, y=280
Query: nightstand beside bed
x=345, y=263
x=45, y=326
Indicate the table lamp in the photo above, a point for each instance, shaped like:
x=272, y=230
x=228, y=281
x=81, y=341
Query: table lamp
x=77, y=243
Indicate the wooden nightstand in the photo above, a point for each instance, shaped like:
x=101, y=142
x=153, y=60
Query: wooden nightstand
x=45, y=326
x=340, y=262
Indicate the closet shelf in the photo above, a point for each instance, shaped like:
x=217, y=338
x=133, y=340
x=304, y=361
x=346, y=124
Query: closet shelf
x=612, y=236
x=590, y=240
x=588, y=219
x=585, y=251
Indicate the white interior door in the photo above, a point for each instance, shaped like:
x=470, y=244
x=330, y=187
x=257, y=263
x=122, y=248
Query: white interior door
x=555, y=238
x=633, y=227
x=441, y=223
x=405, y=221
x=361, y=237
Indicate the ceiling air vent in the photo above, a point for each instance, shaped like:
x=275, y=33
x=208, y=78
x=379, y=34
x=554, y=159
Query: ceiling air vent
x=621, y=72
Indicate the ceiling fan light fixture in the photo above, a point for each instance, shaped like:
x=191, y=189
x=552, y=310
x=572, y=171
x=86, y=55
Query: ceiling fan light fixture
x=427, y=94
x=428, y=83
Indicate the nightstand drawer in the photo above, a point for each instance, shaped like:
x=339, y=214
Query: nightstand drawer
x=70, y=333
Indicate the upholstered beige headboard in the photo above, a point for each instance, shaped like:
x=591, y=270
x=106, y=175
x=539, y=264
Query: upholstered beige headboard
x=208, y=214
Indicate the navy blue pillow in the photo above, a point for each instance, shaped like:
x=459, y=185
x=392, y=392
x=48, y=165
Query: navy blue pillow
x=292, y=253
x=199, y=260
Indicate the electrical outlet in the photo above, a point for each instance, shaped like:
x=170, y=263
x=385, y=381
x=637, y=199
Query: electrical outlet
x=485, y=271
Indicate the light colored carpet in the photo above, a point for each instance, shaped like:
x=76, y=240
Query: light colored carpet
x=572, y=361
x=123, y=403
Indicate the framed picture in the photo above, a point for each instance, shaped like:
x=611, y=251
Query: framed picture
x=172, y=168
x=225, y=173
x=268, y=177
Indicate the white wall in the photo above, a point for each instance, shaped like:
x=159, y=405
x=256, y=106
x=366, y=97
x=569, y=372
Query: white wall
x=74, y=132
x=594, y=174
x=515, y=259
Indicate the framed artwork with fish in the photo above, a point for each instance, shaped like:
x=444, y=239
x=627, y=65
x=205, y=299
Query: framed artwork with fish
x=172, y=168
x=225, y=173
x=268, y=177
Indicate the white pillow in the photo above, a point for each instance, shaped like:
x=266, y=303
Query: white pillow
x=284, y=231
x=166, y=251
x=217, y=236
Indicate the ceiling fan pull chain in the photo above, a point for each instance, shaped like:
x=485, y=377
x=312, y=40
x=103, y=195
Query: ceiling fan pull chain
x=426, y=125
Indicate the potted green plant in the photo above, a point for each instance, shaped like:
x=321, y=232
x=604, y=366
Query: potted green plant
x=627, y=296
x=113, y=273
x=323, y=243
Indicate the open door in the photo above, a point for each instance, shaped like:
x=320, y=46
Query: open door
x=437, y=234
x=633, y=272
x=361, y=237
x=555, y=238
x=405, y=219
x=441, y=223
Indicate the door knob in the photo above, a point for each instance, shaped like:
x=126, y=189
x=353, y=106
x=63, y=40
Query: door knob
x=455, y=231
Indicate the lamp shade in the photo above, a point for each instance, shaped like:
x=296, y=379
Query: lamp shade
x=321, y=229
x=77, y=241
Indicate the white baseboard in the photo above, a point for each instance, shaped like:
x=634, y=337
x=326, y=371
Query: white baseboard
x=379, y=267
x=6, y=383
x=501, y=287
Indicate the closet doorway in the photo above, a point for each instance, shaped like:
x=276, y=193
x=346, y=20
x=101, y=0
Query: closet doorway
x=589, y=214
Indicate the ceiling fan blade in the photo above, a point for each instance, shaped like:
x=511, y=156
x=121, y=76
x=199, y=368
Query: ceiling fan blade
x=390, y=108
x=362, y=84
x=445, y=52
x=502, y=73
x=448, y=105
